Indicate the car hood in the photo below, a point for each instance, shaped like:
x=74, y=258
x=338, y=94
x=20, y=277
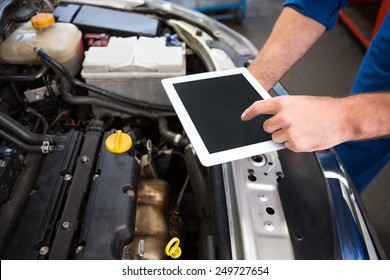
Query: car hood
x=118, y=4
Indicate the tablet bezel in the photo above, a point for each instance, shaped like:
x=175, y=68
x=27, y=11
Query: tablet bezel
x=204, y=156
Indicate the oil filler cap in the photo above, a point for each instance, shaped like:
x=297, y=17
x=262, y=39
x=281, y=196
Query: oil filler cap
x=118, y=142
x=42, y=20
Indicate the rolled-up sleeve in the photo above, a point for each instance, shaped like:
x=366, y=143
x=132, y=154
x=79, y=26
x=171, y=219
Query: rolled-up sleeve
x=323, y=11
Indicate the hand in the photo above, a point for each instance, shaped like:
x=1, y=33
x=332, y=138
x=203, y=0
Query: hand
x=304, y=123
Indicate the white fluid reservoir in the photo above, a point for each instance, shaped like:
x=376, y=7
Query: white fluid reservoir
x=63, y=41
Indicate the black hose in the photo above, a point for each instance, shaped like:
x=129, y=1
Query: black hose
x=172, y=137
x=107, y=118
x=199, y=183
x=44, y=124
x=117, y=97
x=90, y=100
x=26, y=78
x=95, y=89
x=22, y=133
x=219, y=213
x=11, y=211
x=25, y=147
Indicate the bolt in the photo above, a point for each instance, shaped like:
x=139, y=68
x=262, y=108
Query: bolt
x=79, y=249
x=84, y=159
x=298, y=236
x=32, y=192
x=67, y=177
x=279, y=176
x=44, y=250
x=130, y=193
x=66, y=225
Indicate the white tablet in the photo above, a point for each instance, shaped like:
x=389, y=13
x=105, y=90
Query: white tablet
x=209, y=106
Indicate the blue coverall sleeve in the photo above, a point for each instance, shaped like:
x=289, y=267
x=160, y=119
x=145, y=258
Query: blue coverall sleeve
x=323, y=11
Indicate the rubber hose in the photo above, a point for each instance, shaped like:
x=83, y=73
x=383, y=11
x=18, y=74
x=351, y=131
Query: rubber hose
x=22, y=133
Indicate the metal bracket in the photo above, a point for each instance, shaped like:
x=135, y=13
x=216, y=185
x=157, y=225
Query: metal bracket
x=46, y=148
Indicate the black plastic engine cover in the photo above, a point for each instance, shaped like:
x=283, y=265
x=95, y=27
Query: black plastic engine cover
x=91, y=19
x=38, y=222
x=110, y=216
x=66, y=13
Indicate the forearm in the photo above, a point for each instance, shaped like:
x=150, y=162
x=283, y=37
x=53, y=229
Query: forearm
x=368, y=115
x=291, y=37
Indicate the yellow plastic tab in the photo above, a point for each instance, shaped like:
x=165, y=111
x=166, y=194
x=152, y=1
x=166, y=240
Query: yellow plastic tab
x=118, y=142
x=42, y=20
x=172, y=249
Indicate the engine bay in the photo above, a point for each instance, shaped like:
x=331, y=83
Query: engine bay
x=66, y=88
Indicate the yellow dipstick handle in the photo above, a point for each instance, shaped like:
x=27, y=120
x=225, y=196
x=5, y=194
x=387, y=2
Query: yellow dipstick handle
x=172, y=249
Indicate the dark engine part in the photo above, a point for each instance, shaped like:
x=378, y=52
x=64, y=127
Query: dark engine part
x=33, y=235
x=151, y=227
x=110, y=216
x=83, y=203
x=67, y=226
x=66, y=13
x=10, y=168
x=12, y=209
x=310, y=210
x=90, y=19
x=199, y=182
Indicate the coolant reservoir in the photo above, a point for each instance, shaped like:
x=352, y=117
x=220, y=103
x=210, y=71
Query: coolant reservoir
x=61, y=40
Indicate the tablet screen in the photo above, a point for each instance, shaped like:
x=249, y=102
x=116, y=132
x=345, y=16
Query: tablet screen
x=209, y=106
x=215, y=106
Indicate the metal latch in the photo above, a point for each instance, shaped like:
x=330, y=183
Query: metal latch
x=46, y=148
